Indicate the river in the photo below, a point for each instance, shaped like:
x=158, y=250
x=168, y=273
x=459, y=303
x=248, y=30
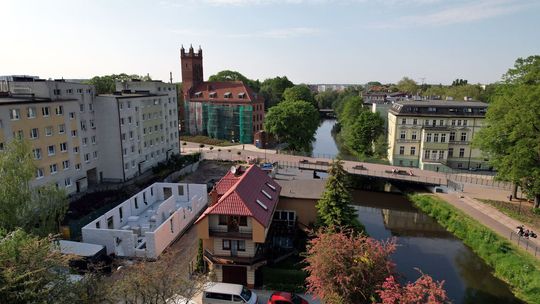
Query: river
x=423, y=243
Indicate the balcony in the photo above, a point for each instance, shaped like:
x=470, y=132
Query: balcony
x=260, y=256
x=231, y=232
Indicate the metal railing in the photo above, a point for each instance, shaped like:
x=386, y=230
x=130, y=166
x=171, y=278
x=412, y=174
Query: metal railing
x=525, y=243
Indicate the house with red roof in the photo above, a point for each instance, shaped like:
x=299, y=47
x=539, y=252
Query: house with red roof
x=236, y=227
x=228, y=110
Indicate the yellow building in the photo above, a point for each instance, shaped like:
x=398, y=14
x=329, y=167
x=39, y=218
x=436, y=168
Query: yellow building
x=436, y=134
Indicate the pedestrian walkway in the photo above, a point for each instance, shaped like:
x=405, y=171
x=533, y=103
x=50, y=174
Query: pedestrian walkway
x=491, y=218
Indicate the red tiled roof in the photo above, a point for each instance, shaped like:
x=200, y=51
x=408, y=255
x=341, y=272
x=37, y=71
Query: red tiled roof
x=226, y=182
x=202, y=91
x=241, y=197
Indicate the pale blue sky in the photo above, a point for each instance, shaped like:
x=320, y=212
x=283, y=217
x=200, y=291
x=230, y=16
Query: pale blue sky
x=317, y=41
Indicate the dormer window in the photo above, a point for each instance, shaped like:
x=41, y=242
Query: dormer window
x=242, y=95
x=266, y=194
x=227, y=95
x=198, y=94
x=262, y=204
x=212, y=94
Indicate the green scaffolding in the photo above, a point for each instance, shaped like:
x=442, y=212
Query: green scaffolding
x=221, y=121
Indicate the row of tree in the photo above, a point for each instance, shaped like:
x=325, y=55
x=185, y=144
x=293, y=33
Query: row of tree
x=106, y=84
x=346, y=266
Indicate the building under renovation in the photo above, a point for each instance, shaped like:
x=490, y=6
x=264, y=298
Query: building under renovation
x=227, y=110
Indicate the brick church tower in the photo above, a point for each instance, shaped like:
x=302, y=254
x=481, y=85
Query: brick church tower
x=192, y=68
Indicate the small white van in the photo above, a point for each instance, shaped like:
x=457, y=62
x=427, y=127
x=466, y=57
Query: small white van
x=224, y=293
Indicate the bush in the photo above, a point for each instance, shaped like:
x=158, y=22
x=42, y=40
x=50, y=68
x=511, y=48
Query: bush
x=511, y=264
x=290, y=280
x=536, y=211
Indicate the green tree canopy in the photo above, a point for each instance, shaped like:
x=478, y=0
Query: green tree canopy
x=407, y=85
x=351, y=107
x=334, y=209
x=37, y=210
x=228, y=75
x=106, y=84
x=363, y=132
x=326, y=99
x=511, y=136
x=299, y=92
x=294, y=122
x=273, y=88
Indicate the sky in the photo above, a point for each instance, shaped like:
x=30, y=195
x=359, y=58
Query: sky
x=309, y=41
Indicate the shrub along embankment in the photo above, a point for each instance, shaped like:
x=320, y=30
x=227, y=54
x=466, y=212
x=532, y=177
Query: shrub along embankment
x=512, y=265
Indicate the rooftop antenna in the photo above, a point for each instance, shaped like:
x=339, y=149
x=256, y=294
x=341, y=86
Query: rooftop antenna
x=170, y=73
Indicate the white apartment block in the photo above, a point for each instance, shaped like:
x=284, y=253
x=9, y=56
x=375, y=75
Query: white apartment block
x=138, y=128
x=57, y=119
x=436, y=134
x=148, y=222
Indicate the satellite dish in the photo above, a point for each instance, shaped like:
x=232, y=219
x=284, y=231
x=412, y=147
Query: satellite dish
x=233, y=169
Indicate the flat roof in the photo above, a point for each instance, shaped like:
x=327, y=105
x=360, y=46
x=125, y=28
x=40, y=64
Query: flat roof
x=80, y=249
x=17, y=100
x=439, y=103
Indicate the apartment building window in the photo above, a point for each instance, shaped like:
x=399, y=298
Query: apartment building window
x=87, y=157
x=81, y=107
x=92, y=125
x=404, y=121
x=241, y=245
x=413, y=150
x=91, y=106
x=93, y=139
x=74, y=133
x=79, y=90
x=459, y=122
x=125, y=151
x=85, y=141
x=130, y=134
x=452, y=136
x=401, y=150
x=126, y=166
x=415, y=121
x=413, y=136
x=50, y=150
x=62, y=129
x=464, y=122
x=31, y=112
x=132, y=149
x=443, y=137
x=121, y=105
x=144, y=117
x=34, y=133
x=77, y=167
x=19, y=134
x=441, y=122
x=461, y=152
x=463, y=136
x=14, y=114
x=45, y=111
x=402, y=134
x=59, y=110
x=426, y=154
x=428, y=137
x=132, y=164
x=83, y=125
x=71, y=115
x=69, y=91
x=450, y=152
x=123, y=136
x=56, y=92
x=441, y=154
x=67, y=182
x=226, y=245
x=434, y=123
x=436, y=137
x=65, y=164
x=75, y=150
x=129, y=104
x=122, y=121
x=39, y=173
x=129, y=120
x=53, y=168
x=95, y=155
x=37, y=153
x=63, y=147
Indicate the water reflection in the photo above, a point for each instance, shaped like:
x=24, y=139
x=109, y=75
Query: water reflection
x=424, y=244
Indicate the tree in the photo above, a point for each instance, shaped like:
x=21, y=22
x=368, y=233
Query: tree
x=326, y=99
x=511, y=136
x=199, y=267
x=30, y=270
x=294, y=122
x=37, y=210
x=347, y=268
x=423, y=290
x=351, y=107
x=459, y=82
x=333, y=209
x=273, y=88
x=299, y=92
x=158, y=282
x=362, y=133
x=106, y=84
x=228, y=75
x=407, y=85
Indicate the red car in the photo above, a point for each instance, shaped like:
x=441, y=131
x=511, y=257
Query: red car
x=280, y=297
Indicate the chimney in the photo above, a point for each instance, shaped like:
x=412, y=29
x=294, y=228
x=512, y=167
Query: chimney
x=213, y=197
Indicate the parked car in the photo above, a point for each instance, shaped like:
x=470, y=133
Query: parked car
x=223, y=293
x=280, y=297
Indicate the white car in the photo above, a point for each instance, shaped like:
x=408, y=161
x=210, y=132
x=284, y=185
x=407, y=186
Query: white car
x=224, y=293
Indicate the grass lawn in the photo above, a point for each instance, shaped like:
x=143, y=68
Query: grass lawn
x=286, y=275
x=207, y=140
x=523, y=214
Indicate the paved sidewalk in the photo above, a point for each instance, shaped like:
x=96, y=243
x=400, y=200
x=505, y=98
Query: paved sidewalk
x=491, y=218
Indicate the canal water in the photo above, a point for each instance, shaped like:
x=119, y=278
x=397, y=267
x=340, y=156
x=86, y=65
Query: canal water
x=422, y=242
x=425, y=245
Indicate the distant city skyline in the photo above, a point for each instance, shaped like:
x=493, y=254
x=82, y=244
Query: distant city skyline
x=314, y=42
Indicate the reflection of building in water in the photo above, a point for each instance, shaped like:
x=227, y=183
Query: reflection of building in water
x=410, y=223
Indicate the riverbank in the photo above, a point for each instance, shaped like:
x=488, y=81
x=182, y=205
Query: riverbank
x=520, y=270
